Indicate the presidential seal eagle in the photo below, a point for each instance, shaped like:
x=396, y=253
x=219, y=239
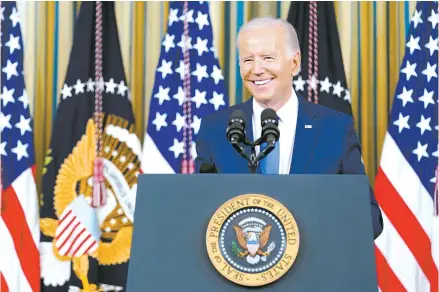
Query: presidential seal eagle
x=253, y=242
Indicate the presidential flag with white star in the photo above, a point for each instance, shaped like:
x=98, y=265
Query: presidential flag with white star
x=69, y=165
x=165, y=139
x=330, y=81
x=19, y=220
x=407, y=252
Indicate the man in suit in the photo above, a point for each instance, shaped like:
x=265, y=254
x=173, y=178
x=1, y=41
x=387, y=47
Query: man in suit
x=313, y=139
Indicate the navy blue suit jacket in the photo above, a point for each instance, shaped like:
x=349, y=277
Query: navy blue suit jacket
x=331, y=146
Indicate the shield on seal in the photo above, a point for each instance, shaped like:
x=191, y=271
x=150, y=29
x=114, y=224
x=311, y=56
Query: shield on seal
x=78, y=230
x=253, y=244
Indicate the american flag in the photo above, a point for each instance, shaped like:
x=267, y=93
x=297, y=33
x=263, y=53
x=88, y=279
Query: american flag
x=19, y=220
x=407, y=252
x=168, y=142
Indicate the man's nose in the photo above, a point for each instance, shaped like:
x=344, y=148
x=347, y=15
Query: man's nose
x=258, y=67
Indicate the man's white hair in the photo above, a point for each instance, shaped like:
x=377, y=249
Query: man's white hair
x=291, y=34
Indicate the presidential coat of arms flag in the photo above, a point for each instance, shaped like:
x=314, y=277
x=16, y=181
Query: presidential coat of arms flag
x=407, y=251
x=91, y=168
x=19, y=225
x=188, y=86
x=322, y=77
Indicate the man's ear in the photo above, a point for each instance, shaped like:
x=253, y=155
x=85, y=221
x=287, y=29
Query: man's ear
x=295, y=64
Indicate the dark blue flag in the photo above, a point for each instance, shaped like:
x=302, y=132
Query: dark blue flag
x=322, y=78
x=85, y=248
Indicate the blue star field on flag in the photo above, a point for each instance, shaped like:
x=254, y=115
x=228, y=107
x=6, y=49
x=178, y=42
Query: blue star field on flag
x=164, y=143
x=16, y=143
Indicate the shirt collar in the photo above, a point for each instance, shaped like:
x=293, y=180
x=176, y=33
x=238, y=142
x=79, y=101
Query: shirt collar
x=284, y=113
x=257, y=110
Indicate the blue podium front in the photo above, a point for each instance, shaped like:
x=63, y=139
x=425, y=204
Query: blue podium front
x=224, y=232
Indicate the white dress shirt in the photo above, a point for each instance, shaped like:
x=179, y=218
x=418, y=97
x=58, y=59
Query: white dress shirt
x=287, y=128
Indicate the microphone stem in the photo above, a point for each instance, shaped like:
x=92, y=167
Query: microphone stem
x=252, y=162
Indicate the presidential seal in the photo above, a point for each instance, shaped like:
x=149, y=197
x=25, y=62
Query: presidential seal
x=252, y=240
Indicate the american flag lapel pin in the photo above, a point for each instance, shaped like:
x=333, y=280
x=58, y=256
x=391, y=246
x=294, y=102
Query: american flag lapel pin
x=308, y=126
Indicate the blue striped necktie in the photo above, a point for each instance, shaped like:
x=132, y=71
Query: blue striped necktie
x=270, y=164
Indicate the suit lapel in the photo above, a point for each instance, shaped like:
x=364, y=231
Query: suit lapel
x=305, y=138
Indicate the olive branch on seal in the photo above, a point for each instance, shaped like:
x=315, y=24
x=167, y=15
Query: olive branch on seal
x=235, y=248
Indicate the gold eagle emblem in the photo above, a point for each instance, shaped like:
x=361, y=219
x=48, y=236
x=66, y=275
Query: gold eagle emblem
x=74, y=178
x=252, y=242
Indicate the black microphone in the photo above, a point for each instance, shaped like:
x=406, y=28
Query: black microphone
x=207, y=167
x=235, y=131
x=270, y=131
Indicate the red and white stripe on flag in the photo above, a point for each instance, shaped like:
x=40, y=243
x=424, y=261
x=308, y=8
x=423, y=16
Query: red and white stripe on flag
x=407, y=251
x=404, y=251
x=20, y=236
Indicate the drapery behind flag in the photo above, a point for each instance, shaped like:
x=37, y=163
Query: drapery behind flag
x=168, y=146
x=407, y=250
x=19, y=224
x=322, y=73
x=85, y=248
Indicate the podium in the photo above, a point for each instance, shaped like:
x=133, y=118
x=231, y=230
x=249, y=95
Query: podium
x=170, y=249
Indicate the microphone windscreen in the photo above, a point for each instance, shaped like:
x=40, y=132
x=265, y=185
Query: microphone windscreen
x=207, y=167
x=268, y=114
x=238, y=115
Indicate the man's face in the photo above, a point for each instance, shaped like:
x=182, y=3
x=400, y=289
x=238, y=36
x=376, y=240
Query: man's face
x=265, y=66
